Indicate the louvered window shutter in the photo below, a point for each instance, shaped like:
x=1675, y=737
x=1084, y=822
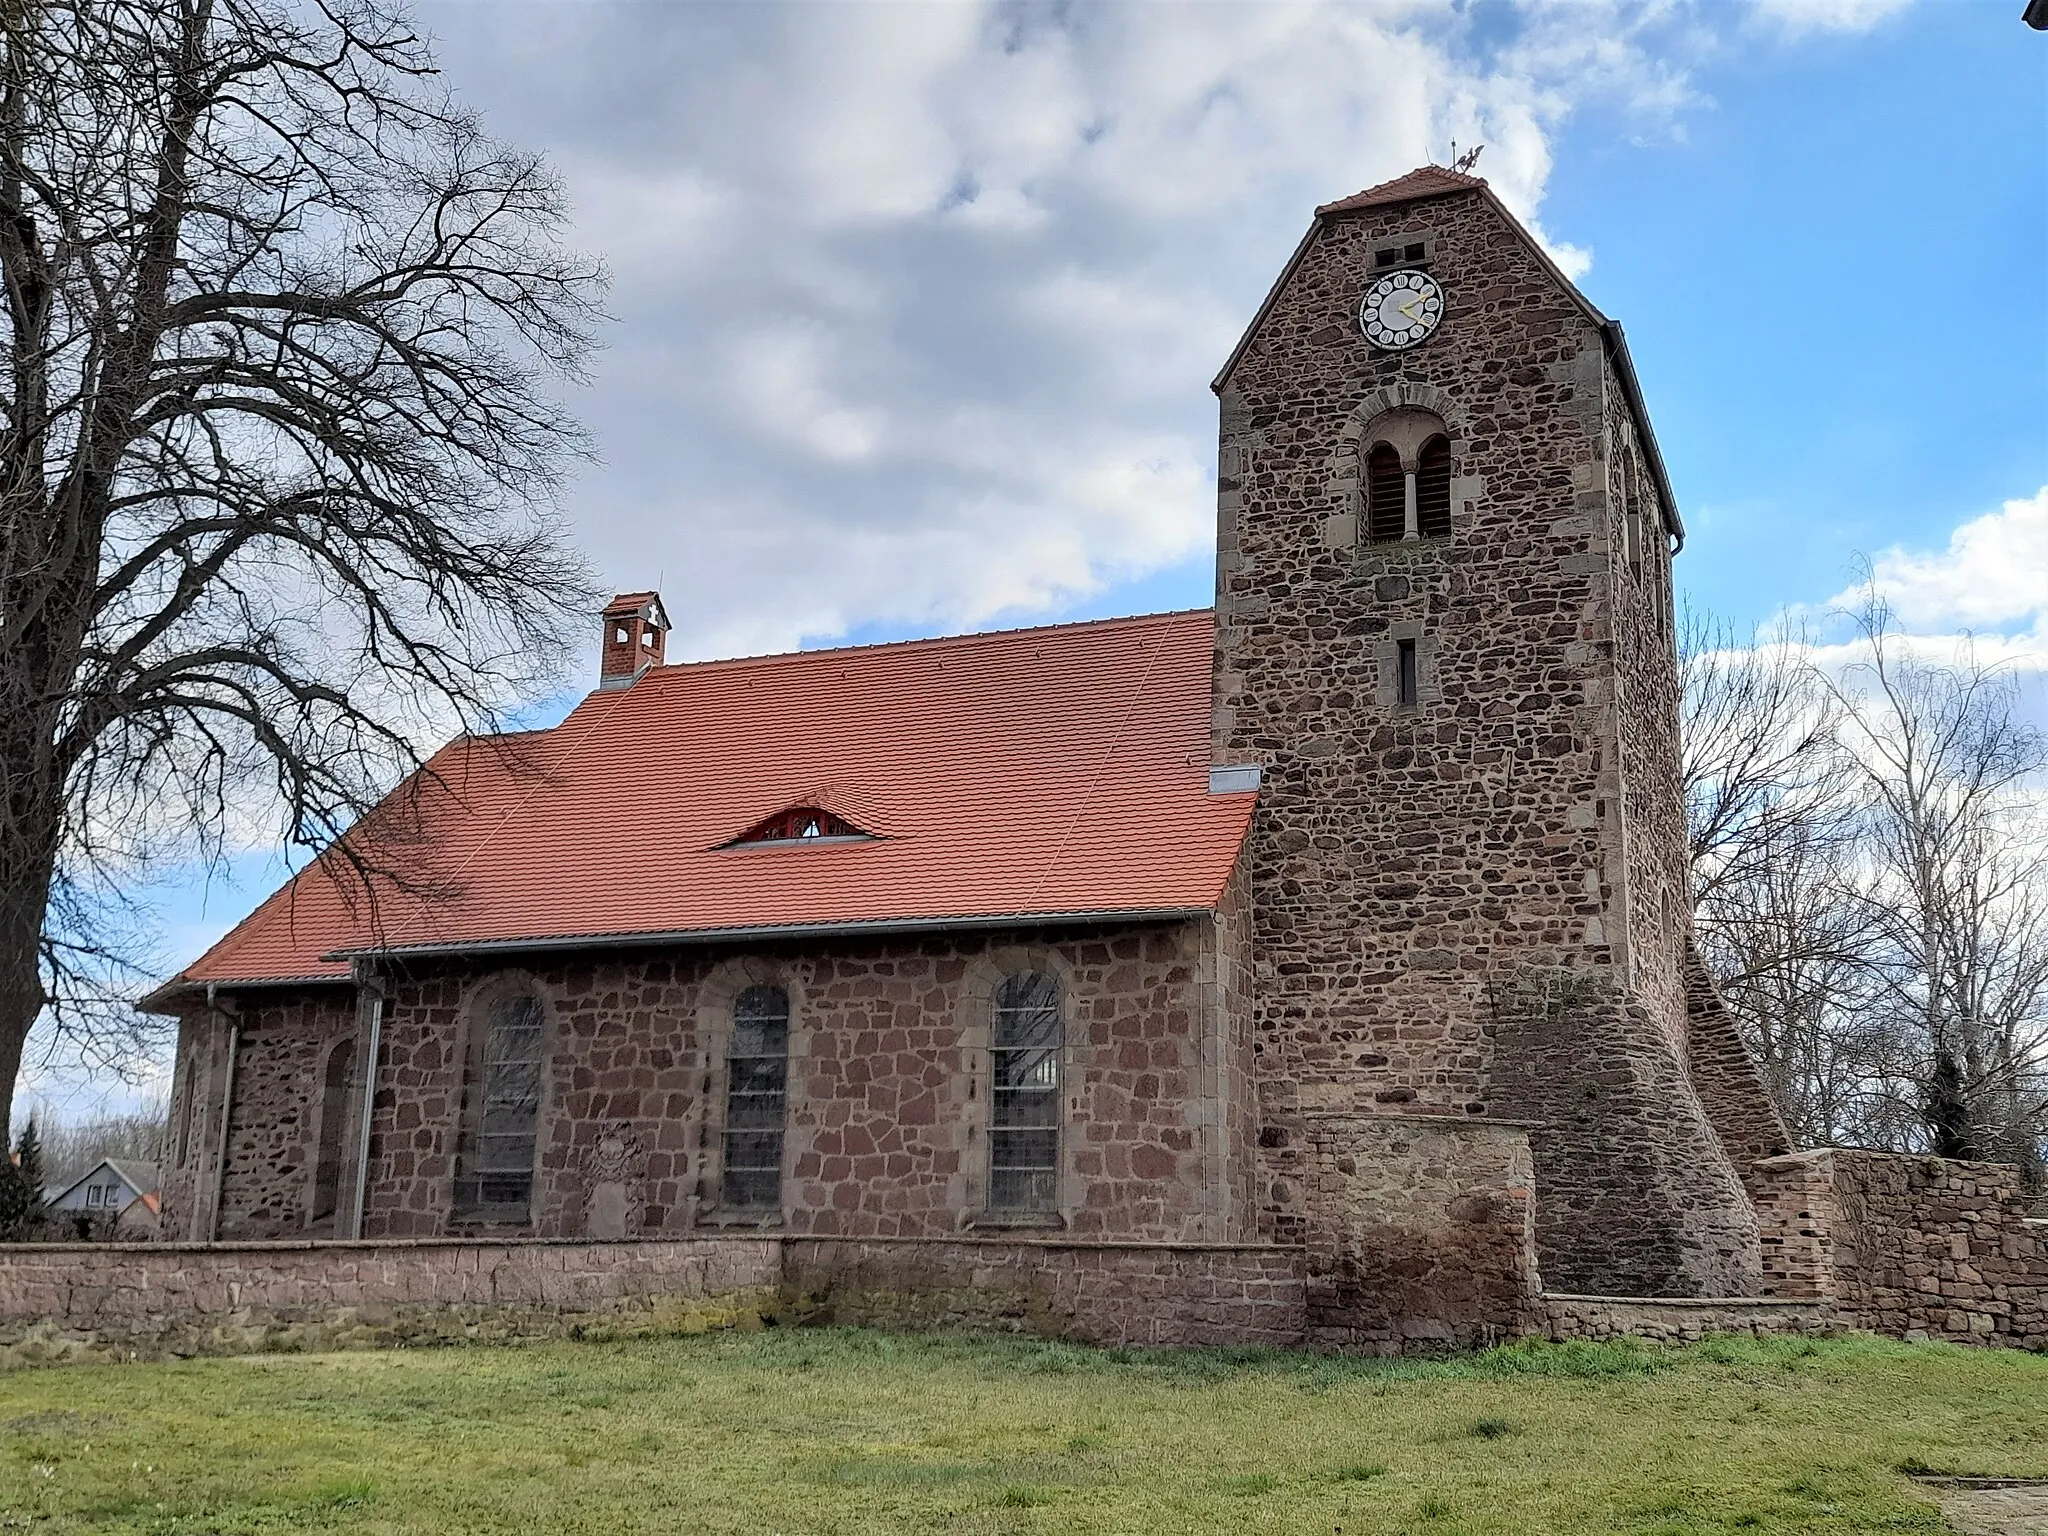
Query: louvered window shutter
x=1433, y=490
x=1386, y=492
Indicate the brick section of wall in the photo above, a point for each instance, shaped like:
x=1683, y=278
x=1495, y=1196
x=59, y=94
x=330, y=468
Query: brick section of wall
x=1421, y=1230
x=886, y=1132
x=1634, y=1194
x=101, y=1301
x=1679, y=1321
x=1524, y=813
x=1795, y=1217
x=1918, y=1247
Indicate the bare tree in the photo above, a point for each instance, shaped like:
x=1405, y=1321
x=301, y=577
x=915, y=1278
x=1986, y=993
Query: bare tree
x=1770, y=814
x=1955, y=881
x=73, y=1148
x=278, y=443
x=1758, y=749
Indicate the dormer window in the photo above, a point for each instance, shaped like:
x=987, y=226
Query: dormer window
x=801, y=824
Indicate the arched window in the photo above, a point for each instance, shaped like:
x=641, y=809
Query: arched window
x=341, y=1060
x=1024, y=1095
x=756, y=1097
x=1408, y=477
x=1433, y=489
x=494, y=1180
x=1387, y=495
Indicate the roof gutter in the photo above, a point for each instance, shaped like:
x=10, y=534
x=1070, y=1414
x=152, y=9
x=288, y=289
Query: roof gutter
x=159, y=1001
x=695, y=936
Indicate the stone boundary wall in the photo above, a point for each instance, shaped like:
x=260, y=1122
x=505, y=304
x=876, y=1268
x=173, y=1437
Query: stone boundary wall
x=1910, y=1246
x=1679, y=1320
x=119, y=1301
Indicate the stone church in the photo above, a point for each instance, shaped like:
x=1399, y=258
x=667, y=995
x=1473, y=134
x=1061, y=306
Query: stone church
x=1349, y=918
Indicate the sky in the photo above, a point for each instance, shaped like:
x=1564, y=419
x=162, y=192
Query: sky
x=916, y=305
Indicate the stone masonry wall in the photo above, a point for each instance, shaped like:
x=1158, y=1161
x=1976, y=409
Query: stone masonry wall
x=886, y=1122
x=1914, y=1247
x=1730, y=1088
x=1422, y=1233
x=273, y=1125
x=112, y=1301
x=1524, y=811
x=1634, y=1194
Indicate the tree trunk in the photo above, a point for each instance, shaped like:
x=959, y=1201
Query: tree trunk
x=29, y=838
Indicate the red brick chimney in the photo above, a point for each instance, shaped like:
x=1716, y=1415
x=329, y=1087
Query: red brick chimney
x=635, y=628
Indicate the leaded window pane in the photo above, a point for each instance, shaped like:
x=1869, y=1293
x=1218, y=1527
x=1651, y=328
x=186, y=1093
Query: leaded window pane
x=1024, y=1089
x=756, y=1099
x=497, y=1177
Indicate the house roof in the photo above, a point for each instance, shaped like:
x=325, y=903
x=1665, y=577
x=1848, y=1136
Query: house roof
x=140, y=1178
x=1052, y=773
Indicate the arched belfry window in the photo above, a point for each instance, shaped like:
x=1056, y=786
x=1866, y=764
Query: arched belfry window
x=1408, y=478
x=1024, y=1095
x=494, y=1177
x=756, y=1100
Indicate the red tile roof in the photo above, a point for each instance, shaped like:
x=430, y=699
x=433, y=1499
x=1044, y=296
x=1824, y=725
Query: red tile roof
x=1035, y=772
x=1426, y=181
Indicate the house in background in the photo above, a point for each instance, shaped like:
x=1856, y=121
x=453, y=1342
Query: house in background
x=121, y=1197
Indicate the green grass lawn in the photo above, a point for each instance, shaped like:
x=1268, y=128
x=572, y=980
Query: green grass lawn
x=829, y=1430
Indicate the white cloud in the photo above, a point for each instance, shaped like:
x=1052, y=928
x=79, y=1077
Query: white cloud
x=918, y=303
x=1993, y=576
x=1799, y=17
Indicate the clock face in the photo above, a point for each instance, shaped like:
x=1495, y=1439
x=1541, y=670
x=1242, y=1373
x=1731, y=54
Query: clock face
x=1401, y=309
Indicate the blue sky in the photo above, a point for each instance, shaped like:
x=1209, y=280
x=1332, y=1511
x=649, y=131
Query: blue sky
x=917, y=305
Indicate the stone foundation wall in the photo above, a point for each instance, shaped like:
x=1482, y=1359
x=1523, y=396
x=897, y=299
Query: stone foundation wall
x=133, y=1301
x=1679, y=1320
x=1914, y=1247
x=1635, y=1194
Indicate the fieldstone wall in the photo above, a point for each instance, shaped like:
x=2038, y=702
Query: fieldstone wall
x=1914, y=1247
x=1523, y=812
x=116, y=1301
x=1635, y=1195
x=1422, y=1234
x=885, y=1131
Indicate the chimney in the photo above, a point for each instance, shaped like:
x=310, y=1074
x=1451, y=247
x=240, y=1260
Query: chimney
x=635, y=627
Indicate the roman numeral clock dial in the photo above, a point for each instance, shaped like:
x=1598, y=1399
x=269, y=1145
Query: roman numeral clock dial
x=1400, y=310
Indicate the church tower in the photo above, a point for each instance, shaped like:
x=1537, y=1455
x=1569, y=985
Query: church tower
x=1445, y=629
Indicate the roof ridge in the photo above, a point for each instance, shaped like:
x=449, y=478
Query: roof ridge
x=1423, y=181
x=967, y=637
